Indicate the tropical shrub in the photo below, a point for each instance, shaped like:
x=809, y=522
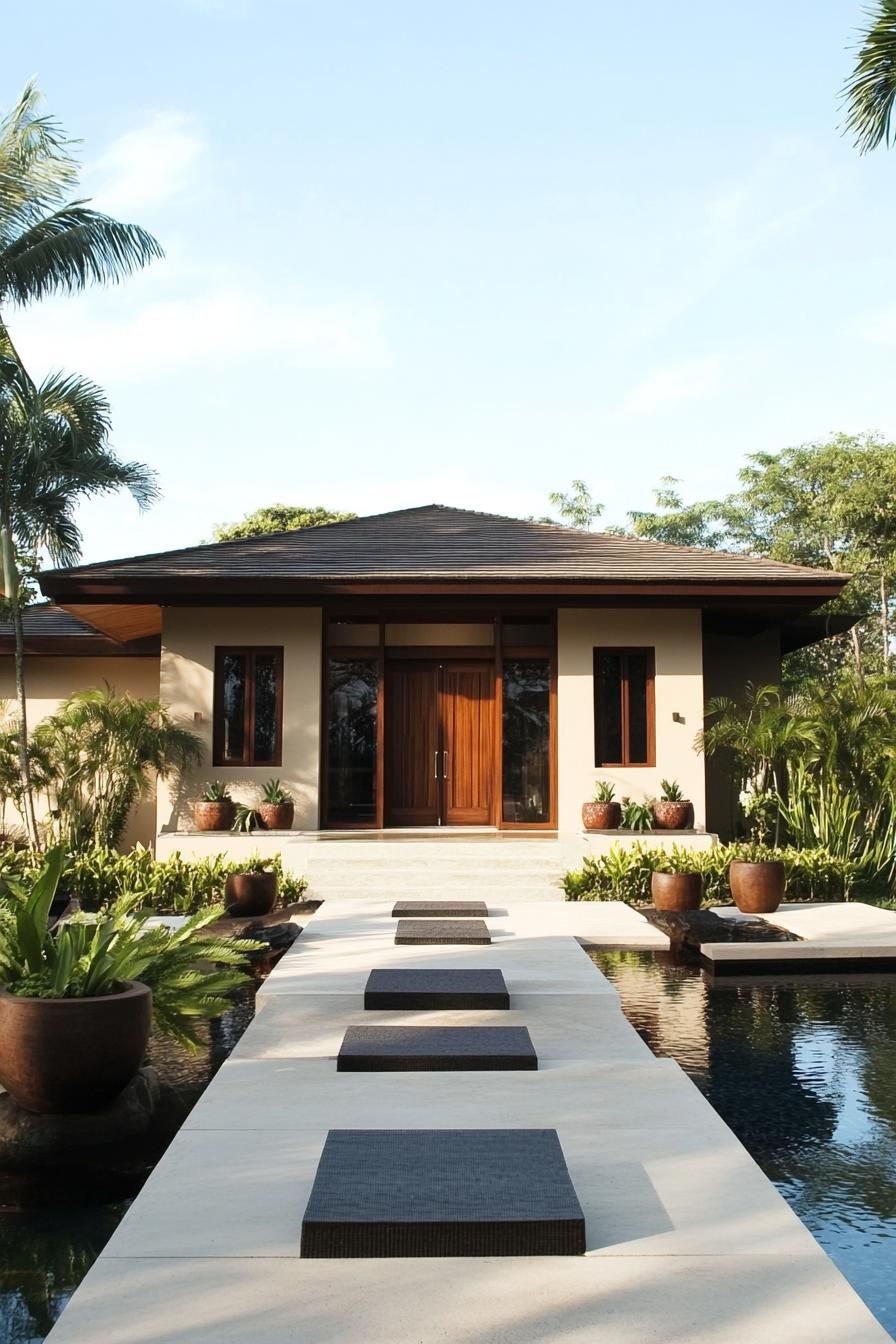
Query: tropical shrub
x=98, y=755
x=623, y=873
x=174, y=886
x=604, y=792
x=273, y=792
x=636, y=816
x=190, y=974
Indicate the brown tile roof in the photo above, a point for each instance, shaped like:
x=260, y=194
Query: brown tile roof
x=435, y=542
x=49, y=629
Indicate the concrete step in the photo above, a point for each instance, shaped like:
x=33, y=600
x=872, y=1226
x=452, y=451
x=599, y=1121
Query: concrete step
x=493, y=896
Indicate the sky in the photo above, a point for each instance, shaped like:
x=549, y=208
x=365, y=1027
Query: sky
x=463, y=251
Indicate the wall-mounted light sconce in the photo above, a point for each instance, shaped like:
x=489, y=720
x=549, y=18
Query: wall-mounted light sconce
x=197, y=716
x=677, y=718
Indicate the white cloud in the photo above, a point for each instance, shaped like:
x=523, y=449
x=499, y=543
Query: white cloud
x=225, y=327
x=689, y=380
x=147, y=165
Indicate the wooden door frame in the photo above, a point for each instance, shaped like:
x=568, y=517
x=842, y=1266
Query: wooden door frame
x=495, y=655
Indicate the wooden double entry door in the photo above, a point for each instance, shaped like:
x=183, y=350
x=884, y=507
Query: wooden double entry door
x=440, y=742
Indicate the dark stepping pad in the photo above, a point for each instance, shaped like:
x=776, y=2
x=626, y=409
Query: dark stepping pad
x=436, y=989
x=414, y=1192
x=425, y=932
x=407, y=1049
x=440, y=910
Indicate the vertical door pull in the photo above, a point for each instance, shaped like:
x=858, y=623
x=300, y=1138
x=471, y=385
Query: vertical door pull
x=435, y=769
x=444, y=765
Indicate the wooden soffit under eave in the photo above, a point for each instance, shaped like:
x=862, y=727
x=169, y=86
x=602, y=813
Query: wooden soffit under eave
x=118, y=621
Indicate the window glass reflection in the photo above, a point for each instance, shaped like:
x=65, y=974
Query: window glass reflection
x=526, y=731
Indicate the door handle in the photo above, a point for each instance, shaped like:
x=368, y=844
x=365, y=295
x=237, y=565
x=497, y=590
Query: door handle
x=444, y=765
x=435, y=770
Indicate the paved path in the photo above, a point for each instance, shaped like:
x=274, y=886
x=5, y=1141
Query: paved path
x=688, y=1242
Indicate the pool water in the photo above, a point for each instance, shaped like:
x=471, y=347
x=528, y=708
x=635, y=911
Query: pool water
x=54, y=1221
x=805, y=1076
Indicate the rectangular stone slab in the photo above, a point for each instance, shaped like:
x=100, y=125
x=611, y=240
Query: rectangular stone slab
x=436, y=989
x=441, y=1192
x=440, y=910
x=423, y=1049
x=426, y=932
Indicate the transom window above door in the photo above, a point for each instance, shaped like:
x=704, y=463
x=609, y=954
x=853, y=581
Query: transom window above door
x=248, y=706
x=624, y=727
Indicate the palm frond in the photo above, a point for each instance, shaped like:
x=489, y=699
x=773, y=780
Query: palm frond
x=870, y=91
x=68, y=250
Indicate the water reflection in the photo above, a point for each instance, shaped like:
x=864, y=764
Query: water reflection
x=55, y=1220
x=806, y=1078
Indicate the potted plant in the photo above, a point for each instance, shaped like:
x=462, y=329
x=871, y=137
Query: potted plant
x=671, y=812
x=253, y=890
x=602, y=813
x=757, y=881
x=77, y=1000
x=215, y=810
x=675, y=884
x=278, y=809
x=636, y=816
x=245, y=819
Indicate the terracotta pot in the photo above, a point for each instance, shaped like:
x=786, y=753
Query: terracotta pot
x=671, y=816
x=250, y=894
x=676, y=891
x=61, y=1056
x=757, y=888
x=601, y=816
x=213, y=816
x=276, y=816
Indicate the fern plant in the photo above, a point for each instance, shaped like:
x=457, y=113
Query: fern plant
x=89, y=957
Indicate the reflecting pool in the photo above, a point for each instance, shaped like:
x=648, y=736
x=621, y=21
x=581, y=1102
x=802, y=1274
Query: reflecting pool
x=805, y=1075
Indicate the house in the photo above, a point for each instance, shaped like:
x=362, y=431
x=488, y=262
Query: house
x=430, y=666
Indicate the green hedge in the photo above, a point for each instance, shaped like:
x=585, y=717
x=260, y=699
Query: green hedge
x=624, y=874
x=173, y=886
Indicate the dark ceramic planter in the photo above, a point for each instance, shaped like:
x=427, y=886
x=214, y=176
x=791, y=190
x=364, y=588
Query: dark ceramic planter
x=601, y=816
x=66, y=1056
x=250, y=894
x=676, y=891
x=671, y=816
x=214, y=816
x=757, y=888
x=276, y=816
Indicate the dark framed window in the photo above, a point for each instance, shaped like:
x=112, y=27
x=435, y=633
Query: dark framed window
x=248, y=713
x=352, y=691
x=624, y=730
x=526, y=740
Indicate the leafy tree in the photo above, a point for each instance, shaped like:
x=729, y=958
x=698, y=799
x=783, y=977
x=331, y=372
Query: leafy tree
x=870, y=91
x=53, y=437
x=679, y=524
x=577, y=507
x=278, y=518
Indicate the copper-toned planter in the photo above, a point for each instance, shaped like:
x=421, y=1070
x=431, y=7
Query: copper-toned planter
x=676, y=891
x=671, y=816
x=601, y=816
x=64, y=1056
x=213, y=816
x=276, y=816
x=757, y=888
x=250, y=894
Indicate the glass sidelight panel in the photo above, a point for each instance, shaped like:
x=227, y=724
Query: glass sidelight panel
x=526, y=740
x=351, y=740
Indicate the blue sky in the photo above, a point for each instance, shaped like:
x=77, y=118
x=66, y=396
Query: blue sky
x=464, y=250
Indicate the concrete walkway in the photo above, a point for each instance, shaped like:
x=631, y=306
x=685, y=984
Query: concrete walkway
x=688, y=1242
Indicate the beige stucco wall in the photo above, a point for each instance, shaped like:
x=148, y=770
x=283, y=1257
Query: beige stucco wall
x=676, y=637
x=49, y=681
x=189, y=637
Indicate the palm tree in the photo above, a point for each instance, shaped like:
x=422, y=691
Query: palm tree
x=870, y=91
x=53, y=454
x=53, y=437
